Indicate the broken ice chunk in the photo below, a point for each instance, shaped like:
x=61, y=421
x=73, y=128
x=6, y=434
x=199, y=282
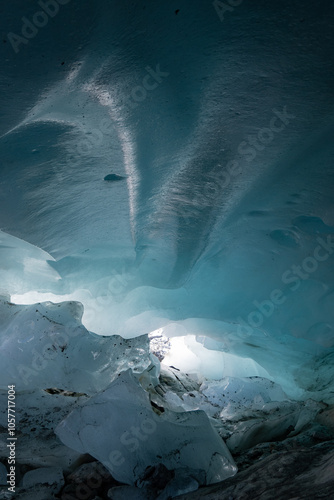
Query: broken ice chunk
x=120, y=429
x=46, y=346
x=232, y=395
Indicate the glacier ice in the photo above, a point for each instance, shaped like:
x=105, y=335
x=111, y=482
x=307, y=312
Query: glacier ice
x=46, y=343
x=119, y=428
x=36, y=417
x=167, y=168
x=24, y=267
x=56, y=365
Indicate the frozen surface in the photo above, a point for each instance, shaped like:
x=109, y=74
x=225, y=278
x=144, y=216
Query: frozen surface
x=230, y=394
x=47, y=344
x=192, y=355
x=217, y=208
x=167, y=168
x=37, y=414
x=24, y=267
x=120, y=429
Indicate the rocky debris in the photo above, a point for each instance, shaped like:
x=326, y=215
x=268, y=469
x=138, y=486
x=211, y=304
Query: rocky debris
x=289, y=469
x=51, y=476
x=297, y=467
x=295, y=474
x=3, y=474
x=158, y=483
x=90, y=480
x=93, y=471
x=36, y=416
x=155, y=477
x=35, y=493
x=129, y=493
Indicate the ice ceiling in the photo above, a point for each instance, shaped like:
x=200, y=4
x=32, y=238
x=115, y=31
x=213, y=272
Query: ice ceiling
x=170, y=166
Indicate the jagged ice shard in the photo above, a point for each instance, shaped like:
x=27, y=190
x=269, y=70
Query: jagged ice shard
x=166, y=191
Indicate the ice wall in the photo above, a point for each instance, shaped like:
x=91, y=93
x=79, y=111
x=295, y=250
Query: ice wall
x=220, y=121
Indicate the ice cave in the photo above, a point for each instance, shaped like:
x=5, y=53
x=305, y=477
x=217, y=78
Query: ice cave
x=167, y=250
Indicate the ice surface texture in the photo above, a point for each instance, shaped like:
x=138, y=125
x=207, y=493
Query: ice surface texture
x=56, y=364
x=120, y=429
x=47, y=344
x=222, y=127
